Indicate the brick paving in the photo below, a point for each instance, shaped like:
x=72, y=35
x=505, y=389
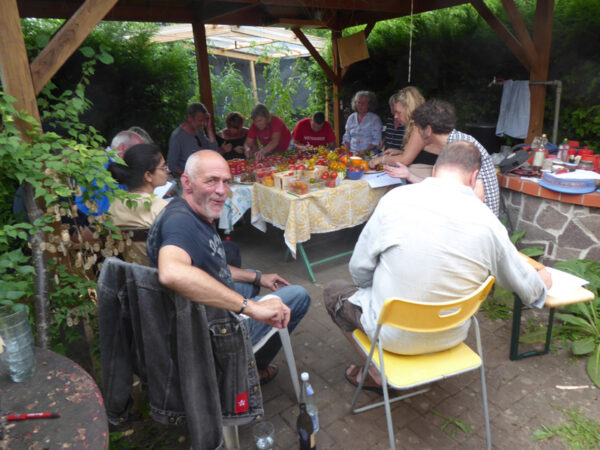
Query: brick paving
x=522, y=395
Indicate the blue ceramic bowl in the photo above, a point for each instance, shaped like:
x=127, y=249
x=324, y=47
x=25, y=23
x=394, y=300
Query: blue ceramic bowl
x=354, y=175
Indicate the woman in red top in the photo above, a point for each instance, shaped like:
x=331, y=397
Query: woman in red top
x=269, y=130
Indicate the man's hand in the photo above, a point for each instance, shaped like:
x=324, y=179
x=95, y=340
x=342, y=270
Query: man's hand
x=272, y=281
x=271, y=311
x=546, y=277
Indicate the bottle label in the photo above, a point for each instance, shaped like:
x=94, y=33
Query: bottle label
x=315, y=420
x=309, y=390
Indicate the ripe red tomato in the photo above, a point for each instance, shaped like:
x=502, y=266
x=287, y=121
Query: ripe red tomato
x=333, y=175
x=325, y=176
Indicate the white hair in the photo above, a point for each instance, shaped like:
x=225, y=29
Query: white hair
x=125, y=139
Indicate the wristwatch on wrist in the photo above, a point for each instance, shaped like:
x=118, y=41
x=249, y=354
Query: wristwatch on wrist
x=257, y=278
x=244, y=304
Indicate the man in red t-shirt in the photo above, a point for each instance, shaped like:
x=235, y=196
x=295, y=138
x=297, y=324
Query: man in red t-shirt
x=269, y=130
x=313, y=132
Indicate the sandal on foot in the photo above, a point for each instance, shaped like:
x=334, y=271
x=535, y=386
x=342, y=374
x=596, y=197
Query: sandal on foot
x=267, y=374
x=352, y=373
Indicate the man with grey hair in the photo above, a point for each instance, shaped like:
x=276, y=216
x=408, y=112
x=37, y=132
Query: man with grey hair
x=125, y=139
x=433, y=241
x=189, y=137
x=185, y=246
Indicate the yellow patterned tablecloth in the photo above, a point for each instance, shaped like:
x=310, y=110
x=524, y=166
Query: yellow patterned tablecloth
x=321, y=211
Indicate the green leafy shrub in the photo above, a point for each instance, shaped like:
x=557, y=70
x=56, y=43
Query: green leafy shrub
x=57, y=168
x=230, y=92
x=582, y=320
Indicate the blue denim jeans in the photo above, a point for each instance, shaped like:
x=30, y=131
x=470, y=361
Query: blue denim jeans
x=295, y=297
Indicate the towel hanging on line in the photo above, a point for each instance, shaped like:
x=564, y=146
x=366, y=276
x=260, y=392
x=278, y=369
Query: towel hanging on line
x=513, y=119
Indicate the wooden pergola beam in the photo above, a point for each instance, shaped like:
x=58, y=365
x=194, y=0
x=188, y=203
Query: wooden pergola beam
x=386, y=6
x=520, y=30
x=66, y=40
x=503, y=33
x=334, y=77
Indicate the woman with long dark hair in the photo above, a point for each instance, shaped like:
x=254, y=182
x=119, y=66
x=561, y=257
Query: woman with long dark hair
x=144, y=169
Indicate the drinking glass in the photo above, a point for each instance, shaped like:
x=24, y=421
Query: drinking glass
x=264, y=435
x=18, y=357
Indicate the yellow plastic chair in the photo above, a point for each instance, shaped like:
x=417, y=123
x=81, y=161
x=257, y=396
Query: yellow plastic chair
x=403, y=372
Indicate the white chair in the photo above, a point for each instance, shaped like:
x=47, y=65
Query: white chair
x=231, y=434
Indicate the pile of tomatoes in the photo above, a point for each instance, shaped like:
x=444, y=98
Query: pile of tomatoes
x=336, y=161
x=329, y=178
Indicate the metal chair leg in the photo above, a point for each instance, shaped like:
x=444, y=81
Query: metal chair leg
x=284, y=335
x=231, y=437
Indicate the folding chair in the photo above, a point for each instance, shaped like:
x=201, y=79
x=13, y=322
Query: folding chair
x=231, y=434
x=404, y=372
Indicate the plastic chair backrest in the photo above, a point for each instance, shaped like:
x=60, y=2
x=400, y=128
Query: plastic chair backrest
x=425, y=317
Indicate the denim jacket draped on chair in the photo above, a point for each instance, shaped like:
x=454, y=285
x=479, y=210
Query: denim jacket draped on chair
x=196, y=361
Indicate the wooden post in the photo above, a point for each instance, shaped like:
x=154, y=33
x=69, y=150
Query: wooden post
x=16, y=79
x=253, y=77
x=533, y=54
x=203, y=69
x=337, y=85
x=14, y=64
x=326, y=103
x=542, y=39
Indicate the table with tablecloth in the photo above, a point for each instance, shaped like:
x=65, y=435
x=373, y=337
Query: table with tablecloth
x=238, y=202
x=320, y=211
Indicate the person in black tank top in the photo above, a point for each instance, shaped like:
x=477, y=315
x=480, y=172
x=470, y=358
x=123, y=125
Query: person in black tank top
x=231, y=139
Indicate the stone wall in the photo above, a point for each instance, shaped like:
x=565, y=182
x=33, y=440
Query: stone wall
x=565, y=231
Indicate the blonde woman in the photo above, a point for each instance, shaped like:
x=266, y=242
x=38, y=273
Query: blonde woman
x=402, y=105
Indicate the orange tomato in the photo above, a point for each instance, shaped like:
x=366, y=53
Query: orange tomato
x=345, y=160
x=365, y=165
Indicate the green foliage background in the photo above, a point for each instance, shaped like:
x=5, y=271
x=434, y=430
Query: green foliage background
x=455, y=55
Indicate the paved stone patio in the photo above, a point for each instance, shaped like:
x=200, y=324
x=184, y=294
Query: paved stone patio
x=523, y=395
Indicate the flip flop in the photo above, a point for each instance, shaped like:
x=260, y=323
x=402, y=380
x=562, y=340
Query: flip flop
x=368, y=385
x=271, y=372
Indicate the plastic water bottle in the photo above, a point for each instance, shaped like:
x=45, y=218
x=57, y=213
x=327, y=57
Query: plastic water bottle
x=308, y=396
x=563, y=150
